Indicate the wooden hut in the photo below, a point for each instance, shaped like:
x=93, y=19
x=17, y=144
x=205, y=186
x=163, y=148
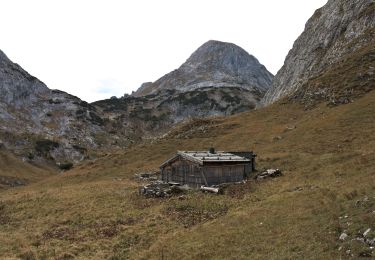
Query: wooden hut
x=197, y=168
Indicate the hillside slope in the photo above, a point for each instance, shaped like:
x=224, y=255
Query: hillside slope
x=338, y=41
x=326, y=155
x=15, y=172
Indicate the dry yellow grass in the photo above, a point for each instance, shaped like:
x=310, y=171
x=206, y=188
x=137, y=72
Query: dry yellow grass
x=13, y=169
x=93, y=211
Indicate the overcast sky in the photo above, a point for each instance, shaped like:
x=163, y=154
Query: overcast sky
x=97, y=49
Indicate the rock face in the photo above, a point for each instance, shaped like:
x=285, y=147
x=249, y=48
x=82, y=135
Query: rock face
x=17, y=87
x=39, y=123
x=337, y=43
x=215, y=64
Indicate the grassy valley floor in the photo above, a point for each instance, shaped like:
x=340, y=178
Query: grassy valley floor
x=94, y=211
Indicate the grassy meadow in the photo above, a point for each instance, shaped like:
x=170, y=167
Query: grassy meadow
x=93, y=211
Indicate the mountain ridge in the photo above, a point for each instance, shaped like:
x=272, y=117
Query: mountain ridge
x=218, y=79
x=68, y=128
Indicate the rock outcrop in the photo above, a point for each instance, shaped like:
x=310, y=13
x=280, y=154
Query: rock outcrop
x=334, y=53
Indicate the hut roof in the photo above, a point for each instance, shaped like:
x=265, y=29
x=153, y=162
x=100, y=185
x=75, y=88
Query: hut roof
x=201, y=157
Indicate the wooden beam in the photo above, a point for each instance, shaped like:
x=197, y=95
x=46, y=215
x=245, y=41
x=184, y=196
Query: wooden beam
x=210, y=189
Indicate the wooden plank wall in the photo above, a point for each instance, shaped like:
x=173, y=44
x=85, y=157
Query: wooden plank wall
x=224, y=173
x=186, y=172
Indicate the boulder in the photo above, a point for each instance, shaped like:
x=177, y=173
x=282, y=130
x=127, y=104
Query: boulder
x=343, y=236
x=270, y=173
x=366, y=232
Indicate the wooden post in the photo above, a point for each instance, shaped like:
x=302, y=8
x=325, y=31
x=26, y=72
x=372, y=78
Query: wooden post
x=203, y=176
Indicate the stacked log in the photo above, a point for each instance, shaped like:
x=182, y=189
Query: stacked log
x=159, y=189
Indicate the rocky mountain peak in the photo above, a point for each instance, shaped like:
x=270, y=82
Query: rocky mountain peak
x=221, y=54
x=230, y=59
x=218, y=79
x=214, y=64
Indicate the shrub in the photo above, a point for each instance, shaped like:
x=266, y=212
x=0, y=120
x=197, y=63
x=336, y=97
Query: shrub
x=66, y=166
x=80, y=148
x=43, y=146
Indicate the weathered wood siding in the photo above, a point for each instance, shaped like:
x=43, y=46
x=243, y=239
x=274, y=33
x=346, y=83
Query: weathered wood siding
x=184, y=172
x=249, y=168
x=187, y=172
x=224, y=173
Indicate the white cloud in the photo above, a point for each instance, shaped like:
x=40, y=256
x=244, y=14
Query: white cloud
x=110, y=87
x=75, y=45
